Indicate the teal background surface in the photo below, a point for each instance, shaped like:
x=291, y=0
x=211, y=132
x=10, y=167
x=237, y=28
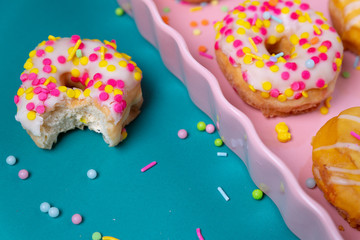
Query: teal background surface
x=170, y=200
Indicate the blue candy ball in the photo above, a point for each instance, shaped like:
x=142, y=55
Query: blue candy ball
x=310, y=183
x=310, y=63
x=92, y=174
x=266, y=15
x=11, y=160
x=54, y=212
x=273, y=59
x=44, y=207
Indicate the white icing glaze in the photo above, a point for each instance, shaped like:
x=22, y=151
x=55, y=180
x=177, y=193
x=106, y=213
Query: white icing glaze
x=350, y=117
x=112, y=65
x=351, y=146
x=343, y=170
x=227, y=35
x=343, y=181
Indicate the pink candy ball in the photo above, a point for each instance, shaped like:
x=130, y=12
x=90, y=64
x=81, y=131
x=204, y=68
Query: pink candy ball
x=23, y=174
x=76, y=219
x=182, y=133
x=210, y=128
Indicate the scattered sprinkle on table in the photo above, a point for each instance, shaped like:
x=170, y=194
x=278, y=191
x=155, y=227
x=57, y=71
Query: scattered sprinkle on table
x=23, y=174
x=257, y=194
x=218, y=142
x=109, y=238
x=224, y=9
x=206, y=55
x=193, y=24
x=225, y=196
x=166, y=9
x=310, y=182
x=345, y=74
x=222, y=154
x=182, y=134
x=76, y=219
x=119, y=11
x=165, y=19
x=44, y=207
x=202, y=48
x=96, y=236
x=324, y=110
x=147, y=167
x=201, y=126
x=210, y=128
x=54, y=212
x=198, y=232
x=11, y=160
x=92, y=174
x=327, y=102
x=283, y=132
x=194, y=9
x=204, y=22
x=197, y=32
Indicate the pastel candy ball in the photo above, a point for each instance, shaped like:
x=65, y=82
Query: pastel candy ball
x=257, y=194
x=96, y=236
x=44, y=207
x=92, y=174
x=310, y=63
x=201, y=126
x=182, y=133
x=23, y=174
x=76, y=219
x=11, y=160
x=210, y=128
x=218, y=142
x=310, y=183
x=54, y=212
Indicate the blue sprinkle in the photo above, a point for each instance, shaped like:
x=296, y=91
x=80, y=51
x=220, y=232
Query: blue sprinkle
x=44, y=207
x=310, y=63
x=276, y=19
x=203, y=4
x=11, y=160
x=356, y=61
x=266, y=15
x=54, y=212
x=279, y=55
x=92, y=174
x=310, y=183
x=273, y=59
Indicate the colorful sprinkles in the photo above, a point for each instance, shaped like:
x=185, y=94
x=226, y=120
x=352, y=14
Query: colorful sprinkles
x=147, y=167
x=222, y=192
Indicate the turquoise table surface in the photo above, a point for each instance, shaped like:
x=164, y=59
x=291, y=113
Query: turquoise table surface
x=170, y=200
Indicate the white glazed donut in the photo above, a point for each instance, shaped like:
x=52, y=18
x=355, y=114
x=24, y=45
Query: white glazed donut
x=280, y=56
x=71, y=83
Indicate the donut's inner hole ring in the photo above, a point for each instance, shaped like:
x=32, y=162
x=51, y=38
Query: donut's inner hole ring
x=66, y=80
x=282, y=45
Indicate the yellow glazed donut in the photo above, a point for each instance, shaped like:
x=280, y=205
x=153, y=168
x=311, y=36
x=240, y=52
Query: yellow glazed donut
x=71, y=83
x=346, y=20
x=280, y=56
x=336, y=163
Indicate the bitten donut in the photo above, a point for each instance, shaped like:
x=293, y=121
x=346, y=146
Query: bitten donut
x=71, y=83
x=336, y=163
x=280, y=56
x=346, y=20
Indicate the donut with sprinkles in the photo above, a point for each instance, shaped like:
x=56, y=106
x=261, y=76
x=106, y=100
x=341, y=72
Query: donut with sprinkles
x=72, y=83
x=281, y=57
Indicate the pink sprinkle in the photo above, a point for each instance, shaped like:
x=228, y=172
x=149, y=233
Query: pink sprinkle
x=252, y=8
x=47, y=61
x=302, y=41
x=118, y=98
x=222, y=30
x=61, y=59
x=244, y=76
x=30, y=106
x=327, y=44
x=24, y=77
x=97, y=76
x=82, y=45
x=216, y=45
x=288, y=65
x=302, y=85
x=254, y=19
x=355, y=135
x=40, y=52
x=55, y=92
x=16, y=99
x=257, y=40
x=338, y=55
x=320, y=83
x=147, y=167
x=294, y=16
x=182, y=134
x=37, y=90
x=228, y=32
x=269, y=63
x=295, y=86
x=120, y=83
x=332, y=29
x=334, y=67
x=210, y=128
x=35, y=82
x=315, y=59
x=42, y=80
x=240, y=8
x=76, y=219
x=274, y=93
x=75, y=79
x=85, y=76
x=232, y=61
x=298, y=95
x=23, y=174
x=240, y=53
x=198, y=232
x=103, y=96
x=102, y=87
x=304, y=6
x=49, y=43
x=229, y=20
x=311, y=50
x=323, y=56
x=47, y=69
x=93, y=57
x=319, y=21
x=90, y=83
x=277, y=11
x=289, y=3
x=51, y=86
x=293, y=66
x=40, y=109
x=118, y=108
x=263, y=31
x=32, y=76
x=285, y=75
x=237, y=43
x=111, y=82
x=42, y=96
x=74, y=38
x=305, y=74
x=97, y=49
x=108, y=56
x=206, y=55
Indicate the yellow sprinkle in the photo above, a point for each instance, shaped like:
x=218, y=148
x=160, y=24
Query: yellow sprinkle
x=28, y=65
x=285, y=10
x=305, y=94
x=87, y=92
x=253, y=44
x=77, y=93
x=254, y=56
x=109, y=88
x=265, y=94
x=42, y=43
x=70, y=93
x=34, y=70
x=75, y=72
x=246, y=50
x=306, y=46
x=299, y=12
x=32, y=53
x=109, y=238
x=255, y=3
x=281, y=59
x=230, y=39
x=255, y=29
x=323, y=49
x=247, y=59
x=194, y=9
x=127, y=57
x=317, y=30
x=266, y=86
x=31, y=115
x=117, y=92
x=52, y=79
x=302, y=19
x=49, y=49
x=242, y=15
x=62, y=88
x=280, y=28
x=47, y=82
x=87, y=81
x=97, y=84
x=102, y=53
x=103, y=63
x=259, y=64
x=294, y=55
x=53, y=69
x=308, y=18
x=122, y=63
x=266, y=56
x=338, y=39
x=289, y=92
x=271, y=40
x=304, y=35
x=20, y=92
x=218, y=25
x=111, y=44
x=327, y=102
x=324, y=110
x=294, y=39
x=196, y=32
x=281, y=127
x=274, y=68
x=73, y=50
x=282, y=98
x=84, y=60
x=266, y=23
x=214, y=2
x=29, y=90
x=284, y=137
x=83, y=120
x=51, y=37
x=325, y=26
x=297, y=1
x=29, y=96
x=111, y=68
x=252, y=88
x=76, y=61
x=259, y=23
x=118, y=55
x=137, y=76
x=338, y=62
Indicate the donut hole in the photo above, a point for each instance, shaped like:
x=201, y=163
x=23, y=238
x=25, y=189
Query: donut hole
x=65, y=80
x=282, y=45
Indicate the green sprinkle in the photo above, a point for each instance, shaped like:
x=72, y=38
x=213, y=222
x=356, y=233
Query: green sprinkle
x=224, y=8
x=96, y=236
x=166, y=10
x=218, y=142
x=119, y=12
x=201, y=126
x=257, y=194
x=79, y=53
x=345, y=74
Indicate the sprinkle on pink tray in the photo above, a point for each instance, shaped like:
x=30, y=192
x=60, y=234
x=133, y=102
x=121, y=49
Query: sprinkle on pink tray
x=355, y=135
x=147, y=167
x=206, y=55
x=198, y=232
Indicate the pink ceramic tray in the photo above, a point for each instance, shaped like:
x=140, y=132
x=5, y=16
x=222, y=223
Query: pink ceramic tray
x=280, y=169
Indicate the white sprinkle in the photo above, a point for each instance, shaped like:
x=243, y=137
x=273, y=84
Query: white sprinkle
x=222, y=154
x=225, y=196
